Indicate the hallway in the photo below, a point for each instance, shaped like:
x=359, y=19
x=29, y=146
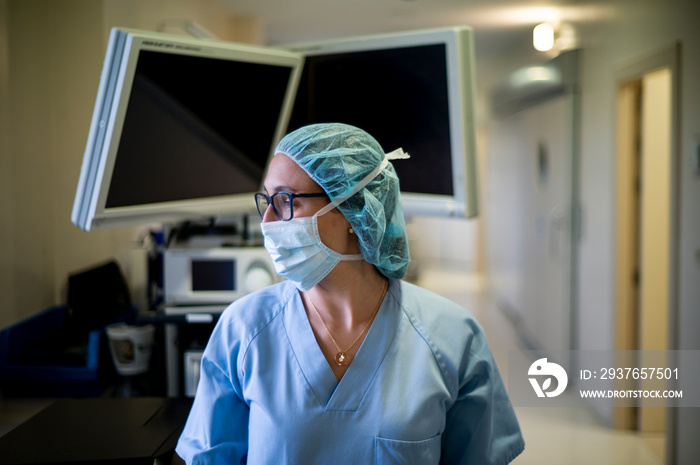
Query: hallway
x=557, y=435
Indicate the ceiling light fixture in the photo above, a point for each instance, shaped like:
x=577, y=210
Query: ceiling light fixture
x=543, y=37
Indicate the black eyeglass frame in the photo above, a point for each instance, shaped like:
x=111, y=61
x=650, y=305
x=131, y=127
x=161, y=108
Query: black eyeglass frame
x=292, y=196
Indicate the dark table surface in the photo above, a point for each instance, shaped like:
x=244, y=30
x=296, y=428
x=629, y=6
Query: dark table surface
x=98, y=430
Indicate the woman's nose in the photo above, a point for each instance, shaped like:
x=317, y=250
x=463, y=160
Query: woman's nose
x=269, y=214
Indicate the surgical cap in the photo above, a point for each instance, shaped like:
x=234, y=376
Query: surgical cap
x=339, y=156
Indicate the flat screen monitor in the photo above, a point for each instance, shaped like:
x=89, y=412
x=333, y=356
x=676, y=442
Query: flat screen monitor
x=411, y=90
x=182, y=128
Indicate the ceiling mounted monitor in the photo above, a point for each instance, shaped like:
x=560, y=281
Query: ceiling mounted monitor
x=182, y=128
x=412, y=90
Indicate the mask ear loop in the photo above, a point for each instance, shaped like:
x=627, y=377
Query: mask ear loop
x=397, y=154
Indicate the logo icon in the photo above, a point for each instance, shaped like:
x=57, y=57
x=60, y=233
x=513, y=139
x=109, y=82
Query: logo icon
x=541, y=368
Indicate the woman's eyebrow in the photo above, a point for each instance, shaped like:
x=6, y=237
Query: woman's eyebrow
x=280, y=189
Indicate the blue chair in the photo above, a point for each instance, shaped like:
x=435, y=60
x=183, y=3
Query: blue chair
x=44, y=356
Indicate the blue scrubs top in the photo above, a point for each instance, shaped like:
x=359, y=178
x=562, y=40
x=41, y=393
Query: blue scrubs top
x=423, y=388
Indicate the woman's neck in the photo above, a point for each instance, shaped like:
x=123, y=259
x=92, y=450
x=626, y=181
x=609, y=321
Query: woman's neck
x=348, y=296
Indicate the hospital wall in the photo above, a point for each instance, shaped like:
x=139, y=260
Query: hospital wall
x=626, y=33
x=51, y=55
x=640, y=28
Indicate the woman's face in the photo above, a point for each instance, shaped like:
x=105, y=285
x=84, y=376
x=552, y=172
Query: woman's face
x=283, y=174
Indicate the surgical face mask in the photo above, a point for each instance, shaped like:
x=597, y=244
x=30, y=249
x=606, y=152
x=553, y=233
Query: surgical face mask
x=295, y=246
x=297, y=251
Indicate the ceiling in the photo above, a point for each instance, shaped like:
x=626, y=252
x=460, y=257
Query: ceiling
x=501, y=27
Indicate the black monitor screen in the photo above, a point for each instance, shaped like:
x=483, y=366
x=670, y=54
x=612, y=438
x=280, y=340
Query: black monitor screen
x=213, y=275
x=399, y=95
x=195, y=127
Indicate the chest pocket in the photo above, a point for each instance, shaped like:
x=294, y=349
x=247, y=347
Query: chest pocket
x=391, y=451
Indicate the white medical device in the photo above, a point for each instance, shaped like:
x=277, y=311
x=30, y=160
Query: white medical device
x=215, y=276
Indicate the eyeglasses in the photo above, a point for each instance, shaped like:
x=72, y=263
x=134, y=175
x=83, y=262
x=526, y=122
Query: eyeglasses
x=282, y=203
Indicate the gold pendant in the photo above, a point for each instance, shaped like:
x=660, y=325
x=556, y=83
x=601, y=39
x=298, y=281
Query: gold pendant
x=341, y=359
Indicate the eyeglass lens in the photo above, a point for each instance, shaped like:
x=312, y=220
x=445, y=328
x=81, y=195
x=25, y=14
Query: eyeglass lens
x=281, y=204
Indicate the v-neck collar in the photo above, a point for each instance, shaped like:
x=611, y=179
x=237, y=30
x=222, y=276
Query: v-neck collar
x=347, y=393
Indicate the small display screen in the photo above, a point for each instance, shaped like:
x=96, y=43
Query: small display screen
x=213, y=275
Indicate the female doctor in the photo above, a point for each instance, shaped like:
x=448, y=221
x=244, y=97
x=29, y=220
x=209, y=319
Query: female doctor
x=344, y=363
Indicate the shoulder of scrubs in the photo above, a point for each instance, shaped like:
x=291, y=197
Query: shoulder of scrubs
x=250, y=314
x=217, y=427
x=481, y=425
x=451, y=331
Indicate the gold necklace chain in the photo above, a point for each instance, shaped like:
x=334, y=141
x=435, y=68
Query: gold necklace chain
x=341, y=357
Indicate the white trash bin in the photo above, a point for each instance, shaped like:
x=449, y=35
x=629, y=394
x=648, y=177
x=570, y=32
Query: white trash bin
x=131, y=347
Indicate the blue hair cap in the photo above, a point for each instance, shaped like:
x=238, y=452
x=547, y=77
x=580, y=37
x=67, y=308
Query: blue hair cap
x=338, y=157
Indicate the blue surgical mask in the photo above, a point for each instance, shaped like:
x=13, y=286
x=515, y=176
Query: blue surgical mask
x=297, y=251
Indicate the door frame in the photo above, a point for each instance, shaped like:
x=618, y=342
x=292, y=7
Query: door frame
x=626, y=73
